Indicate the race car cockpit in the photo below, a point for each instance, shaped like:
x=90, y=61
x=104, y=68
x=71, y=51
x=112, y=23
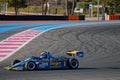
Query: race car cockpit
x=44, y=54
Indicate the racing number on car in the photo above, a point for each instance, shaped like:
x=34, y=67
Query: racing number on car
x=54, y=64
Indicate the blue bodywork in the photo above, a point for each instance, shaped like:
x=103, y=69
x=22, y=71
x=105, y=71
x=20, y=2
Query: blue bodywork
x=45, y=61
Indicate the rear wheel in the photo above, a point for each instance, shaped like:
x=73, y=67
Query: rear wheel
x=73, y=63
x=14, y=62
x=30, y=66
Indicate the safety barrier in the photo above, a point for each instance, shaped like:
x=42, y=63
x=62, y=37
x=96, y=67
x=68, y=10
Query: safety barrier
x=39, y=17
x=82, y=17
x=113, y=17
x=75, y=17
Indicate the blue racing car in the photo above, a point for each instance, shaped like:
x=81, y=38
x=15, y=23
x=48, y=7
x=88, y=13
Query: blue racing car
x=47, y=61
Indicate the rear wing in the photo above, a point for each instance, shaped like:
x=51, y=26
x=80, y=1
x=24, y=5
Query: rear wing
x=76, y=53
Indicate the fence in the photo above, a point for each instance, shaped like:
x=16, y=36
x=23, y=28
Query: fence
x=3, y=8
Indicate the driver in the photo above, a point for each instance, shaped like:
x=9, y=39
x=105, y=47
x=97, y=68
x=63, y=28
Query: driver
x=44, y=54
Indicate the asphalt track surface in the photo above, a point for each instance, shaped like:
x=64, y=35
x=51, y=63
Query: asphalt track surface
x=100, y=43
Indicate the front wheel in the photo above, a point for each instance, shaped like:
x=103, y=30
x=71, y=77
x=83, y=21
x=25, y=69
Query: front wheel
x=30, y=65
x=73, y=63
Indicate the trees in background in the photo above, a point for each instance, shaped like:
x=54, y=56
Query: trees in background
x=16, y=4
x=113, y=5
x=74, y=2
x=44, y=6
x=70, y=6
x=117, y=5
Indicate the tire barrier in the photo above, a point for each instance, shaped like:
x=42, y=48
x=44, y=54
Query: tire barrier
x=113, y=17
x=38, y=17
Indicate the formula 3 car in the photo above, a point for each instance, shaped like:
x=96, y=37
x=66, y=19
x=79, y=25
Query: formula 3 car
x=47, y=61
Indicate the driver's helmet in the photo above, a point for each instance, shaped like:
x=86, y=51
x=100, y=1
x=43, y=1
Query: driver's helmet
x=44, y=54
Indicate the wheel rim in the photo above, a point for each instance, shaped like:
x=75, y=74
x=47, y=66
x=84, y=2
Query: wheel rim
x=31, y=66
x=74, y=64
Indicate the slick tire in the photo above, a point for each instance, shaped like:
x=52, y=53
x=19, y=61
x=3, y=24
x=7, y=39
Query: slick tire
x=73, y=63
x=30, y=66
x=14, y=62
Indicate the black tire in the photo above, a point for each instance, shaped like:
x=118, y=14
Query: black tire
x=30, y=66
x=14, y=62
x=73, y=63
